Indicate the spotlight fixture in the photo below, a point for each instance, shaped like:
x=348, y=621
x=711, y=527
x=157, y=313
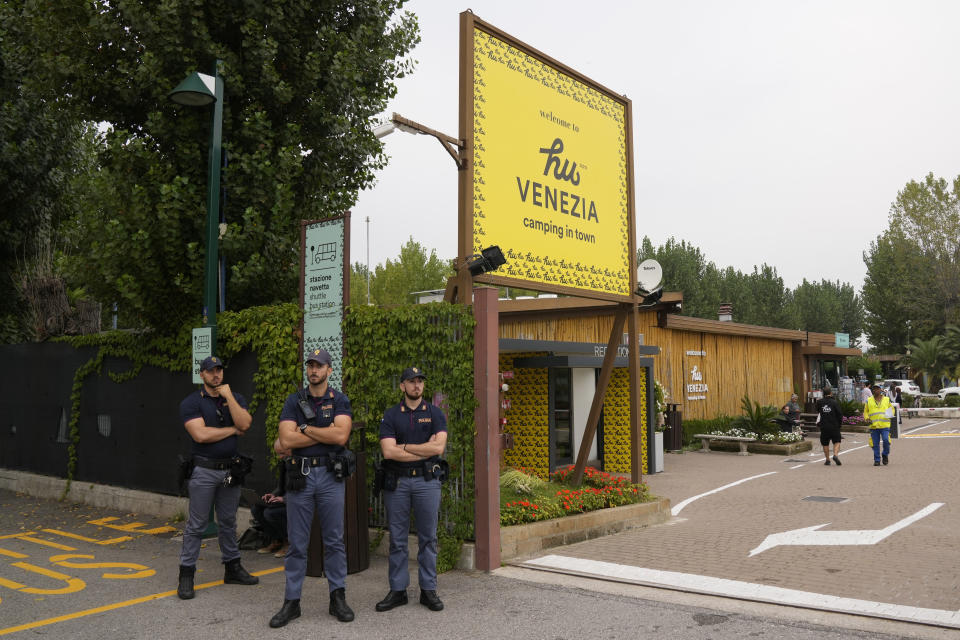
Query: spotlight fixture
x=490, y=259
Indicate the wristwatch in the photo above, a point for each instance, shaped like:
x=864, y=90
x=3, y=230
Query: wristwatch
x=303, y=428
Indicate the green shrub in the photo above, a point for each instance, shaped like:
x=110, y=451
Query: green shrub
x=952, y=401
x=691, y=427
x=522, y=483
x=931, y=403
x=854, y=407
x=756, y=418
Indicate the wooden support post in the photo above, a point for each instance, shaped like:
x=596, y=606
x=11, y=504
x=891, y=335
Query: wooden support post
x=593, y=419
x=636, y=398
x=486, y=455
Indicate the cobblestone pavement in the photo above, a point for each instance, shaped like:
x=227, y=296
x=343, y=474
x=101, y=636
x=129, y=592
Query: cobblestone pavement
x=917, y=565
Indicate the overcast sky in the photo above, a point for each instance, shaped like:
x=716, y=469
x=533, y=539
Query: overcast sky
x=765, y=131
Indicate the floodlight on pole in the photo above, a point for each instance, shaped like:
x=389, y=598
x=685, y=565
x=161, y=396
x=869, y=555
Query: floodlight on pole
x=200, y=90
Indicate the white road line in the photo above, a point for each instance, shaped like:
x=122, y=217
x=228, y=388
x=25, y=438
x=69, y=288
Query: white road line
x=677, y=509
x=926, y=426
x=820, y=460
x=742, y=590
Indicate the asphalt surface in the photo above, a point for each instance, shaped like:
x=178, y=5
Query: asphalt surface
x=72, y=571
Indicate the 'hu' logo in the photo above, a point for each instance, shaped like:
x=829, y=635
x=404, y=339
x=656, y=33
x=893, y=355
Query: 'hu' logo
x=568, y=172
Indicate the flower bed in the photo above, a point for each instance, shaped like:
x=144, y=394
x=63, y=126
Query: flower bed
x=769, y=438
x=783, y=449
x=526, y=497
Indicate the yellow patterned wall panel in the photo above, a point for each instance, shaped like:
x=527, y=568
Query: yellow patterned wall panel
x=527, y=417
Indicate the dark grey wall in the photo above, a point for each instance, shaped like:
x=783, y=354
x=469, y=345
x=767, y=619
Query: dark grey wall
x=145, y=433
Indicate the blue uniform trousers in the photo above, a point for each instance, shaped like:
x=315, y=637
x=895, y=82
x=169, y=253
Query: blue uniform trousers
x=326, y=495
x=423, y=496
x=875, y=436
x=206, y=488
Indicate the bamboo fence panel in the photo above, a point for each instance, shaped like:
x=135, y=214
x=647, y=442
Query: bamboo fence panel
x=732, y=365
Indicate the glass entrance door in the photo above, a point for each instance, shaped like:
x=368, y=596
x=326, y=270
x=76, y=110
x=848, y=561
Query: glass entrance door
x=561, y=417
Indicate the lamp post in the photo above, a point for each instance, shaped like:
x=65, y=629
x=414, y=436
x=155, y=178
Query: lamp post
x=200, y=90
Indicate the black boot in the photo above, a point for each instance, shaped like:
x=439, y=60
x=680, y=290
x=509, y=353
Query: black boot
x=338, y=606
x=289, y=611
x=431, y=600
x=234, y=573
x=185, y=585
x=393, y=599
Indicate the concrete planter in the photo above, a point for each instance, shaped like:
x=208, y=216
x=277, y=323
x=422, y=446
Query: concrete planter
x=765, y=447
x=526, y=539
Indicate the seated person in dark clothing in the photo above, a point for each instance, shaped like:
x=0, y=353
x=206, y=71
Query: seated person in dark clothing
x=272, y=515
x=783, y=419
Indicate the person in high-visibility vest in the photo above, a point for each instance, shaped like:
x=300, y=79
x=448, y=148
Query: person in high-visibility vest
x=878, y=411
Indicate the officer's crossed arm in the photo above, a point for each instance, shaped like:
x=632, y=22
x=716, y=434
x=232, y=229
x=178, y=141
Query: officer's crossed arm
x=201, y=433
x=413, y=452
x=338, y=433
x=241, y=417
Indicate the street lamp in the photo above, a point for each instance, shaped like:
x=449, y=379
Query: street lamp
x=200, y=90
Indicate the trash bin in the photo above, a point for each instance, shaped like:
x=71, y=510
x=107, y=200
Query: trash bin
x=356, y=536
x=673, y=434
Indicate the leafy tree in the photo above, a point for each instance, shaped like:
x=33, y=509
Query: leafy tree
x=929, y=357
x=928, y=213
x=686, y=269
x=42, y=153
x=827, y=307
x=304, y=81
x=358, y=284
x=759, y=297
x=415, y=270
x=888, y=309
x=872, y=369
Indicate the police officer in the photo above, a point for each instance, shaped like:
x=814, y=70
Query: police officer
x=213, y=416
x=413, y=435
x=315, y=423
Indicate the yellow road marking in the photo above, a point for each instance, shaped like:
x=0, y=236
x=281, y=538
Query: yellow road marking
x=73, y=584
x=13, y=554
x=75, y=536
x=64, y=560
x=132, y=526
x=116, y=605
x=931, y=435
x=46, y=543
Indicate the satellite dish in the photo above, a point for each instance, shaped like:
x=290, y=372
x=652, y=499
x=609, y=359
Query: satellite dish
x=649, y=276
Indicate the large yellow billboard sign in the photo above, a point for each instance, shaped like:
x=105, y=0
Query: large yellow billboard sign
x=551, y=176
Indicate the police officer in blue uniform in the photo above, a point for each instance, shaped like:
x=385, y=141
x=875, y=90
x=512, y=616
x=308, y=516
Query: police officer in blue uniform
x=213, y=416
x=315, y=424
x=413, y=435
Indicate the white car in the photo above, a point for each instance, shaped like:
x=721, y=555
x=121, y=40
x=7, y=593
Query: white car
x=948, y=391
x=906, y=386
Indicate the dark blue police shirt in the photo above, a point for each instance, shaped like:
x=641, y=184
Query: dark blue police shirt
x=414, y=426
x=215, y=413
x=332, y=404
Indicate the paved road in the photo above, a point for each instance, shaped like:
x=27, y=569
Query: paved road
x=130, y=595
x=72, y=571
x=910, y=506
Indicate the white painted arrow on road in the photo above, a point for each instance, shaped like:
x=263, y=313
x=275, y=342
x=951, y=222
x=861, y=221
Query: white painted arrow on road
x=809, y=536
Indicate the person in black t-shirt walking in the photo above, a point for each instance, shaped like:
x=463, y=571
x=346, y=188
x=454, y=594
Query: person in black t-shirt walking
x=829, y=418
